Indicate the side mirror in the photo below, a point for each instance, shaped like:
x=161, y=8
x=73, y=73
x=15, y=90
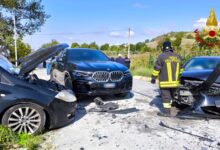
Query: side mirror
x=59, y=59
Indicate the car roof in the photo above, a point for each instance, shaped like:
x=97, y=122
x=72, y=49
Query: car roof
x=82, y=49
x=208, y=57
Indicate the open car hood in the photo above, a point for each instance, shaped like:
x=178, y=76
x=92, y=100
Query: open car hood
x=31, y=61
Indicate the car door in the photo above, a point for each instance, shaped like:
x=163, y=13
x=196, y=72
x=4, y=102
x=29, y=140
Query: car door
x=59, y=70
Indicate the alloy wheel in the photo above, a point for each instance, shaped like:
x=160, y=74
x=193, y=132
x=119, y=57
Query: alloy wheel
x=24, y=120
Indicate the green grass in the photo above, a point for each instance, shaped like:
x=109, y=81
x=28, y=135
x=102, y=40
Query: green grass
x=142, y=71
x=12, y=140
x=142, y=64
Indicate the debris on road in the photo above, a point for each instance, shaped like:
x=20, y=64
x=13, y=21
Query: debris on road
x=203, y=138
x=103, y=107
x=110, y=107
x=133, y=124
x=125, y=111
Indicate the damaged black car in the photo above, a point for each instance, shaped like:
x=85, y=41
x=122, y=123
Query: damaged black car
x=29, y=104
x=199, y=93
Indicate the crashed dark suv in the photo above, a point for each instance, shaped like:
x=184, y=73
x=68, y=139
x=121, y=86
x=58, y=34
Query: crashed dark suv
x=199, y=93
x=90, y=72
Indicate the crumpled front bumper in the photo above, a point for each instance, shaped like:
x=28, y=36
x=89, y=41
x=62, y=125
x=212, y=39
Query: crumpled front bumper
x=61, y=113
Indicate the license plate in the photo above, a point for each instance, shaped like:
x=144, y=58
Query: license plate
x=109, y=85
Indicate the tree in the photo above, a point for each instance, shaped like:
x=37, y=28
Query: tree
x=189, y=36
x=114, y=48
x=84, y=45
x=105, y=47
x=75, y=45
x=132, y=47
x=177, y=42
x=52, y=43
x=144, y=48
x=22, y=49
x=139, y=46
x=29, y=16
x=93, y=45
x=147, y=41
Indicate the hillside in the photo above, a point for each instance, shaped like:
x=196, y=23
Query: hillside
x=188, y=39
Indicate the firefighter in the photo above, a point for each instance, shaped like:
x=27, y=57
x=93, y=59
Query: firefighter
x=168, y=68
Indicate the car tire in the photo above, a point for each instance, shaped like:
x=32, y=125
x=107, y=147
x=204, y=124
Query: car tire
x=25, y=118
x=68, y=82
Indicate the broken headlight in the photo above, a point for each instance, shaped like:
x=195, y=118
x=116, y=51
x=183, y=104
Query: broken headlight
x=66, y=95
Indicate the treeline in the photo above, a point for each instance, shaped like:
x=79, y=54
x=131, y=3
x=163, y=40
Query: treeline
x=140, y=47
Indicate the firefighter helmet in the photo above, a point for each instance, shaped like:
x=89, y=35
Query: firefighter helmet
x=167, y=46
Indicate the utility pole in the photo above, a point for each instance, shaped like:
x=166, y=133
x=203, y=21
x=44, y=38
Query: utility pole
x=15, y=40
x=129, y=35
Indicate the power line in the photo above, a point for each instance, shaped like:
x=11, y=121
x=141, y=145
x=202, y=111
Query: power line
x=80, y=33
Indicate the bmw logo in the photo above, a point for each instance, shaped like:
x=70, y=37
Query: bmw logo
x=108, y=69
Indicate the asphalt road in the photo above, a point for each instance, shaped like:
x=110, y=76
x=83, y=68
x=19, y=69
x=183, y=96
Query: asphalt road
x=134, y=126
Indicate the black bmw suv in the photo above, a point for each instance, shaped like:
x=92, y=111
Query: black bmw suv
x=90, y=73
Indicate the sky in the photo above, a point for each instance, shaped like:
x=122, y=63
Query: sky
x=108, y=21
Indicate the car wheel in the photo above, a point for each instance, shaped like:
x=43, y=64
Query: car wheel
x=25, y=118
x=68, y=82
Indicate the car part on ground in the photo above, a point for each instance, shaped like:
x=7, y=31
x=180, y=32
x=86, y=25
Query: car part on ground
x=29, y=104
x=101, y=106
x=110, y=107
x=203, y=138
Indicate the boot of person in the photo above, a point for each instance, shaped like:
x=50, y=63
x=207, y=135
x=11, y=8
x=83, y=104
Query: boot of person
x=166, y=113
x=174, y=111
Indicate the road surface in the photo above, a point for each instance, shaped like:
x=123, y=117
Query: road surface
x=135, y=126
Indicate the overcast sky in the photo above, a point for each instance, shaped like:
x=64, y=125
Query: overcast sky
x=107, y=21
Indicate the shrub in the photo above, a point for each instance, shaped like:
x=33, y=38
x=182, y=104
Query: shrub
x=12, y=140
x=142, y=64
x=7, y=138
x=30, y=142
x=189, y=36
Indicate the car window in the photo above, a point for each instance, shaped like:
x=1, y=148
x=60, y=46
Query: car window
x=201, y=64
x=86, y=55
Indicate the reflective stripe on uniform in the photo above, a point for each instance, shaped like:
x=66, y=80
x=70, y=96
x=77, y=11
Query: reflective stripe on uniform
x=177, y=70
x=169, y=71
x=155, y=73
x=169, y=84
x=167, y=105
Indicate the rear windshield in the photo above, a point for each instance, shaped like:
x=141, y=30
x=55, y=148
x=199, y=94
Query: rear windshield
x=86, y=55
x=201, y=64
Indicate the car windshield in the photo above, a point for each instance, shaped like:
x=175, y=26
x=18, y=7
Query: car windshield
x=86, y=55
x=201, y=64
x=7, y=65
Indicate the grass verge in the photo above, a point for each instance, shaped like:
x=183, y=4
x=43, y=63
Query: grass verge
x=12, y=140
x=142, y=71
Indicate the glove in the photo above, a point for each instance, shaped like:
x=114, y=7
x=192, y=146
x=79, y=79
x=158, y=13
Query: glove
x=153, y=81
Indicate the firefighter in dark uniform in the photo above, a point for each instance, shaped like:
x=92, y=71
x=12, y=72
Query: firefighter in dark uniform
x=168, y=68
